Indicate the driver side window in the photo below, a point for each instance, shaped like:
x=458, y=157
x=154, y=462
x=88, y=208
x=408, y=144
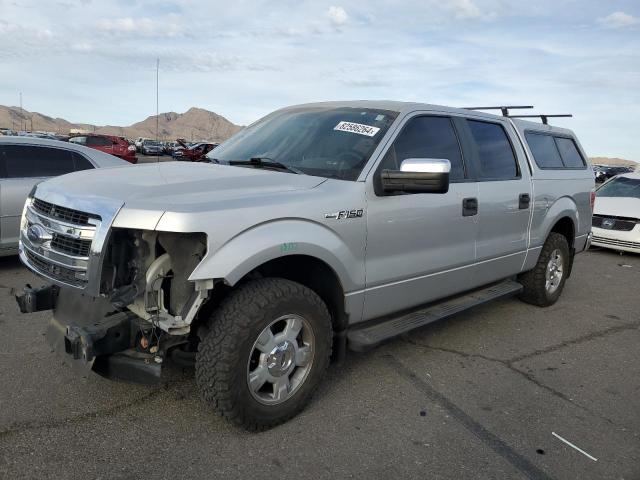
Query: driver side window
x=427, y=137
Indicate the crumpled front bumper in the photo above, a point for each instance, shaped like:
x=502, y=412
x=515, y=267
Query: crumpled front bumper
x=90, y=335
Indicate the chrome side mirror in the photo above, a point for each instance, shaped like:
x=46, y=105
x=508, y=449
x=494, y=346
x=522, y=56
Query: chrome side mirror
x=418, y=175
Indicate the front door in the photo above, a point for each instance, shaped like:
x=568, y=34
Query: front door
x=420, y=247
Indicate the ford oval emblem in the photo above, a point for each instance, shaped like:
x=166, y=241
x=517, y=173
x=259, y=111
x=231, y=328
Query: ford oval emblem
x=38, y=234
x=608, y=223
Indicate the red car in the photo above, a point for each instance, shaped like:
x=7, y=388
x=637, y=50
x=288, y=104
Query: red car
x=118, y=146
x=194, y=153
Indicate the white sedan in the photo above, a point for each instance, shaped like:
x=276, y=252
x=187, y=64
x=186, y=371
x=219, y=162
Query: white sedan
x=616, y=214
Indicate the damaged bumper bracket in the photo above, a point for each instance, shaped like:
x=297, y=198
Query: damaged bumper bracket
x=37, y=299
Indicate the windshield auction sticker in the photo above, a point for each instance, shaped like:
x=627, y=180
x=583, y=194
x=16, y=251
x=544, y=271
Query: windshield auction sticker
x=356, y=128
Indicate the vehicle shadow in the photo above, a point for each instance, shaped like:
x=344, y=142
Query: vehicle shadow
x=10, y=262
x=612, y=252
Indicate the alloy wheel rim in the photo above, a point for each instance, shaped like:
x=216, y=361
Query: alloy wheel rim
x=280, y=359
x=554, y=271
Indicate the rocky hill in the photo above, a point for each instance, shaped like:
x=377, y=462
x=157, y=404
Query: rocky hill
x=194, y=124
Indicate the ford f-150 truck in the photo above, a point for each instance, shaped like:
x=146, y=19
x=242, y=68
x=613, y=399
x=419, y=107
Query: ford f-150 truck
x=318, y=229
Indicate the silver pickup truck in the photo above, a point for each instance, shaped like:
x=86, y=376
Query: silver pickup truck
x=319, y=228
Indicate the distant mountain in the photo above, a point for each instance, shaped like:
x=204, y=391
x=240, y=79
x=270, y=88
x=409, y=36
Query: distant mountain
x=194, y=124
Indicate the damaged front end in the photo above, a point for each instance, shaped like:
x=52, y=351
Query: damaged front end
x=121, y=297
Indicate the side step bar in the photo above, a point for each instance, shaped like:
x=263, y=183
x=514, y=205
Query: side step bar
x=364, y=338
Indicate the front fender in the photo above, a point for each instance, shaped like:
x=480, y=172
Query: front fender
x=279, y=238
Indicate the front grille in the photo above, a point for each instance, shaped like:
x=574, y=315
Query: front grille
x=62, y=213
x=614, y=242
x=58, y=272
x=72, y=246
x=624, y=224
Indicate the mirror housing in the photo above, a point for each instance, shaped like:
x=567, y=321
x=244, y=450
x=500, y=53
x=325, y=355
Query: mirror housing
x=418, y=175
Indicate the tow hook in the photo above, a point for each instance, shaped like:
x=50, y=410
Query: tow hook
x=37, y=299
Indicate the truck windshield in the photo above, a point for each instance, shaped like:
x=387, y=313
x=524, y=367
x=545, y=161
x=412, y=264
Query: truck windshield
x=621, y=187
x=321, y=141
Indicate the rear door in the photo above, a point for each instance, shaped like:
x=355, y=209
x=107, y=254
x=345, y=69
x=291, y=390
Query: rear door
x=22, y=167
x=504, y=199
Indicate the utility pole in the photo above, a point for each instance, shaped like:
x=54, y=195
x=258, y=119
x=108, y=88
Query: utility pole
x=21, y=114
x=157, y=103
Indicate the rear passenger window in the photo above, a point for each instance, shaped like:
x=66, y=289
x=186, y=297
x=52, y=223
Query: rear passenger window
x=22, y=161
x=569, y=153
x=99, y=142
x=81, y=163
x=427, y=137
x=544, y=150
x=497, y=161
x=78, y=140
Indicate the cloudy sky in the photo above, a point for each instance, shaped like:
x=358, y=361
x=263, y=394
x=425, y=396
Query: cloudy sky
x=94, y=60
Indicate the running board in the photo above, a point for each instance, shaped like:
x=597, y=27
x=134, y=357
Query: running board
x=364, y=338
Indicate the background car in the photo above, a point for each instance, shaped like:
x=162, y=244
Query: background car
x=616, y=215
x=604, y=173
x=195, y=152
x=138, y=143
x=117, y=146
x=26, y=161
x=151, y=147
x=170, y=147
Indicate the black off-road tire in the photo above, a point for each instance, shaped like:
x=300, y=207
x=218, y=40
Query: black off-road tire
x=223, y=353
x=534, y=280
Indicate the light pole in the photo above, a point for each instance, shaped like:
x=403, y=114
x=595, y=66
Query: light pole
x=157, y=106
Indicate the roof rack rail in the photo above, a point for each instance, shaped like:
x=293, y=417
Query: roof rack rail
x=504, y=109
x=543, y=117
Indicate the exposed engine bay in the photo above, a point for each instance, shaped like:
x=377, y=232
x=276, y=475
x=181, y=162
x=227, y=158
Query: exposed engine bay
x=147, y=273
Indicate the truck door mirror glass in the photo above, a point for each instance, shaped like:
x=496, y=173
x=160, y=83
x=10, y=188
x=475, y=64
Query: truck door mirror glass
x=418, y=175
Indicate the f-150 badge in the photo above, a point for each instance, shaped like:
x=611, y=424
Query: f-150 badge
x=342, y=214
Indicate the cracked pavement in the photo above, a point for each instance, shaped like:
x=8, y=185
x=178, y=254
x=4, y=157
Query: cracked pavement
x=475, y=396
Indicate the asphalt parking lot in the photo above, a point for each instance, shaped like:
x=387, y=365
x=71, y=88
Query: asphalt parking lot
x=477, y=397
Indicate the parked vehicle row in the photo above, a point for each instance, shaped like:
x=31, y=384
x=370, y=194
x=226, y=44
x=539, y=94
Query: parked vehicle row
x=375, y=218
x=111, y=144
x=195, y=152
x=604, y=172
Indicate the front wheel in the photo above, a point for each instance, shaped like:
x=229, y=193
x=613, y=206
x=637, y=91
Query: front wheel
x=543, y=285
x=266, y=351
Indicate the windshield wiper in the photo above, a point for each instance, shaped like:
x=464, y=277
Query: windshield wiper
x=266, y=162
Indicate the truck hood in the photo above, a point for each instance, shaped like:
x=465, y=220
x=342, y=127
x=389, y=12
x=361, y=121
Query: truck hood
x=175, y=186
x=617, y=206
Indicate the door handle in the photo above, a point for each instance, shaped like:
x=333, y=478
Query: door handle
x=524, y=201
x=469, y=207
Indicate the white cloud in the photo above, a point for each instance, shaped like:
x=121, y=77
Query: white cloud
x=84, y=47
x=337, y=16
x=618, y=20
x=465, y=9
x=145, y=27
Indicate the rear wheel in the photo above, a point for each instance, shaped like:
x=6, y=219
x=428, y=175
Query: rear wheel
x=266, y=352
x=543, y=285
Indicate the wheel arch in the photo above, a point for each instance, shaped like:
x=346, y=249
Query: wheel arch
x=314, y=274
x=562, y=217
x=302, y=251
